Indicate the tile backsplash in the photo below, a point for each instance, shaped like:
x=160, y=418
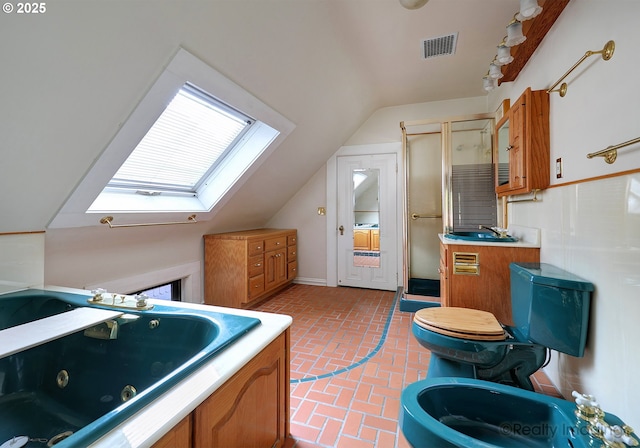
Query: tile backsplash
x=21, y=260
x=592, y=229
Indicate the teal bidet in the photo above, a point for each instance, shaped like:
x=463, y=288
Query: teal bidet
x=470, y=413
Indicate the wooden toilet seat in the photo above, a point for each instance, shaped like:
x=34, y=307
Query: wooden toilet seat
x=464, y=323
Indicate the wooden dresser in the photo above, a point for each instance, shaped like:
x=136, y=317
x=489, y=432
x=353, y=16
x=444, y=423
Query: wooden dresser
x=242, y=268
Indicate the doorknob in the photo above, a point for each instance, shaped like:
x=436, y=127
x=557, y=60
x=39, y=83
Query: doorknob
x=341, y=229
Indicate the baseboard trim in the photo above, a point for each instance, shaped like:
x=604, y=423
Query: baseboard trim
x=310, y=281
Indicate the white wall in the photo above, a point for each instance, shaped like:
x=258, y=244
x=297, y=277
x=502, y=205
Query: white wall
x=301, y=213
x=593, y=229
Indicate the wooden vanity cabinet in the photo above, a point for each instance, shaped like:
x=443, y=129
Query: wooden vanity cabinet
x=527, y=148
x=490, y=288
x=361, y=239
x=366, y=239
x=251, y=409
x=242, y=268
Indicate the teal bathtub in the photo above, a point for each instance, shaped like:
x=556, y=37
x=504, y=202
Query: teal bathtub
x=75, y=389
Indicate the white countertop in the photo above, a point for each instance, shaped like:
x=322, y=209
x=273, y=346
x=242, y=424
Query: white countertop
x=528, y=237
x=149, y=424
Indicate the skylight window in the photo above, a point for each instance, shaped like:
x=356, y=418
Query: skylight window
x=188, y=146
x=193, y=133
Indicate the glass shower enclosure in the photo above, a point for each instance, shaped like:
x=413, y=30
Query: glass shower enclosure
x=449, y=186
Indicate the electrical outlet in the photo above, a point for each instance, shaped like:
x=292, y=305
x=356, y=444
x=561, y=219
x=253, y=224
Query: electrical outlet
x=559, y=168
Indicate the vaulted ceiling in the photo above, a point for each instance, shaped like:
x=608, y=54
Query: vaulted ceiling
x=71, y=76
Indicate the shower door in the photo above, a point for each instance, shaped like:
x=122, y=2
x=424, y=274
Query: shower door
x=449, y=186
x=424, y=169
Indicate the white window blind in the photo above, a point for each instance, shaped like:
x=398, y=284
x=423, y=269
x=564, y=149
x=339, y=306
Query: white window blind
x=193, y=133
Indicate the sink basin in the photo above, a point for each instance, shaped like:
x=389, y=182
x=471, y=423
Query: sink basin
x=486, y=237
x=470, y=413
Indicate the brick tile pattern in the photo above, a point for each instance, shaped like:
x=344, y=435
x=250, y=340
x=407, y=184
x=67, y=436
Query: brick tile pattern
x=346, y=387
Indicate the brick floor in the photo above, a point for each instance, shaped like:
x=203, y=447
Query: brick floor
x=345, y=380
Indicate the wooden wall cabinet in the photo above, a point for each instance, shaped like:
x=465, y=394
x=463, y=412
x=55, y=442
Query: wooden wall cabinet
x=242, y=268
x=251, y=409
x=490, y=289
x=522, y=145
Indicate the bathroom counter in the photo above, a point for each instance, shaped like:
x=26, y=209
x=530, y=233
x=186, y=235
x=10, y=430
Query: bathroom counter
x=528, y=237
x=152, y=422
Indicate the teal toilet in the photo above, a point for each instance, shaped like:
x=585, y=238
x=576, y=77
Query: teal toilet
x=550, y=310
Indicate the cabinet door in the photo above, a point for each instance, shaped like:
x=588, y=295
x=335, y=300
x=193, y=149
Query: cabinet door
x=528, y=148
x=275, y=268
x=361, y=239
x=252, y=408
x=179, y=436
x=444, y=277
x=375, y=239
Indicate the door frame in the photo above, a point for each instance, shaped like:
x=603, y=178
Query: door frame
x=332, y=203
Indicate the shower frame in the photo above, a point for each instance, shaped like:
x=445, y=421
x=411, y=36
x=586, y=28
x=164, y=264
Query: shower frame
x=447, y=200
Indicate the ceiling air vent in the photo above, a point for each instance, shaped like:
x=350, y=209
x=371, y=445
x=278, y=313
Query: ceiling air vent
x=439, y=46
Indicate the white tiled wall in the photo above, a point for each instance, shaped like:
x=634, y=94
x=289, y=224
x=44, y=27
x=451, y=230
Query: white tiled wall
x=592, y=229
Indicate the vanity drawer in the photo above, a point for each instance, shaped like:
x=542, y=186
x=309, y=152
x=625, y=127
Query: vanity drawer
x=256, y=265
x=275, y=243
x=292, y=270
x=256, y=247
x=256, y=286
x=292, y=252
x=292, y=240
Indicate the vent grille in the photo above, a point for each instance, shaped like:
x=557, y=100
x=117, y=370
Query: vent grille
x=439, y=46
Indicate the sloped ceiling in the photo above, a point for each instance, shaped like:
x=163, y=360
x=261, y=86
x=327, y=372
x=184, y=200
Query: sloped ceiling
x=71, y=76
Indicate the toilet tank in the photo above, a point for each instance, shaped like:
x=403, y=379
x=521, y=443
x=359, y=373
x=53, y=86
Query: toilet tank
x=550, y=306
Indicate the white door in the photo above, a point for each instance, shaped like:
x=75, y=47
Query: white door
x=367, y=230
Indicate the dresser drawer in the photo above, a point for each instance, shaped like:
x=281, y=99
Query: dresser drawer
x=256, y=286
x=256, y=247
x=256, y=265
x=292, y=270
x=292, y=252
x=275, y=243
x=292, y=240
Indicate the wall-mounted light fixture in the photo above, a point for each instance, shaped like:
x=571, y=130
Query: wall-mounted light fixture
x=413, y=4
x=504, y=53
x=488, y=83
x=528, y=10
x=494, y=71
x=514, y=34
